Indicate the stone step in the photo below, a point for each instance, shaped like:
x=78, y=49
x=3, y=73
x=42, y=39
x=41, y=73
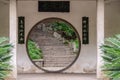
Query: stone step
x=60, y=56
x=60, y=60
x=53, y=63
x=58, y=53
x=60, y=47
x=56, y=65
x=48, y=41
x=41, y=33
x=37, y=37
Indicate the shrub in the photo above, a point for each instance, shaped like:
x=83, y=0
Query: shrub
x=34, y=51
x=5, y=57
x=65, y=30
x=111, y=57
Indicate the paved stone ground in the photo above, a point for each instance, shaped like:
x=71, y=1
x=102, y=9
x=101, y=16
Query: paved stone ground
x=56, y=76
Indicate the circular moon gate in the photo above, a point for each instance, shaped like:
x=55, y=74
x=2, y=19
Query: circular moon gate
x=53, y=45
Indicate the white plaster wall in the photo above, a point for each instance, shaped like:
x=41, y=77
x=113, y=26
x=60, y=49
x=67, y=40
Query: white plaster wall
x=87, y=59
x=112, y=18
x=4, y=19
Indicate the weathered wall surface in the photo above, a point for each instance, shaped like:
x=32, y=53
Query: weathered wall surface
x=112, y=18
x=87, y=59
x=4, y=19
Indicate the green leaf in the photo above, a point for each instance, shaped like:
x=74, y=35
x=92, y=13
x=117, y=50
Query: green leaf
x=34, y=51
x=5, y=57
x=111, y=57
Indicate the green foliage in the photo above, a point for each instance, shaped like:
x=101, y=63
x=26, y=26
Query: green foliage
x=111, y=57
x=76, y=41
x=5, y=57
x=34, y=51
x=67, y=32
x=64, y=29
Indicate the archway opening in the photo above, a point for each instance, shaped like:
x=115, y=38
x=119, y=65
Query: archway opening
x=53, y=45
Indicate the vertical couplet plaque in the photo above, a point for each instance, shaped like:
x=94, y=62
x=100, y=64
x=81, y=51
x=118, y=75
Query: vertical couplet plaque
x=85, y=30
x=21, y=25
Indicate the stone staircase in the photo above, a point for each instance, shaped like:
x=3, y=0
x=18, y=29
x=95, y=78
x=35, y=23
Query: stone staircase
x=55, y=53
x=57, y=56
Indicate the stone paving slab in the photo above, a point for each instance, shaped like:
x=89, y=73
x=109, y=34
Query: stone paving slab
x=54, y=76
